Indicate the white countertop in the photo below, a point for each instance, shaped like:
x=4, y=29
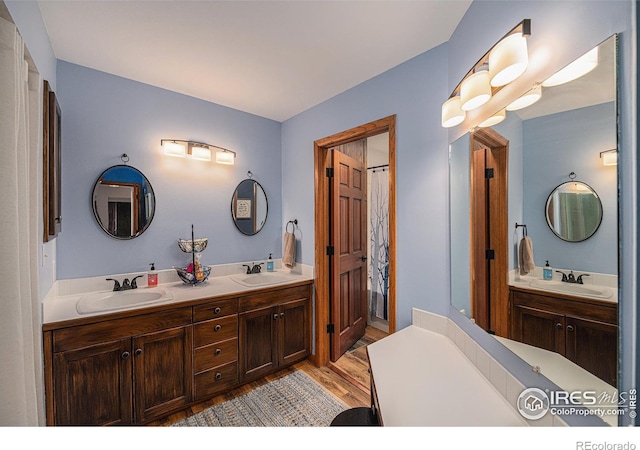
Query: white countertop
x=602, y=281
x=58, y=308
x=423, y=379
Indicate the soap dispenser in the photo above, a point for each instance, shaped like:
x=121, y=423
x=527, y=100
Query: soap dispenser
x=152, y=276
x=547, y=272
x=270, y=264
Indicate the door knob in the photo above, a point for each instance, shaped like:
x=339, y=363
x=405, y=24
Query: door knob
x=138, y=352
x=125, y=355
x=217, y=310
x=363, y=258
x=218, y=351
x=217, y=328
x=569, y=327
x=558, y=325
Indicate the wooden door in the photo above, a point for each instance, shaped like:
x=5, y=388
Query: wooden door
x=543, y=329
x=162, y=372
x=258, y=332
x=593, y=346
x=349, y=270
x=294, y=326
x=93, y=385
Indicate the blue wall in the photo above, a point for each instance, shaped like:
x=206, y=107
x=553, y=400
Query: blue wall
x=105, y=116
x=556, y=145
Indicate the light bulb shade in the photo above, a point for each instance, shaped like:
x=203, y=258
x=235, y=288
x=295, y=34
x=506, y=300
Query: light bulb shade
x=494, y=120
x=580, y=67
x=527, y=99
x=200, y=153
x=609, y=158
x=452, y=114
x=174, y=149
x=475, y=90
x=508, y=59
x=223, y=157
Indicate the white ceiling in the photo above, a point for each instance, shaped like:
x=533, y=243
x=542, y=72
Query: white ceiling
x=270, y=58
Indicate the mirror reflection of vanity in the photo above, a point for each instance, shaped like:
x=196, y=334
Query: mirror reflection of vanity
x=123, y=201
x=249, y=207
x=571, y=222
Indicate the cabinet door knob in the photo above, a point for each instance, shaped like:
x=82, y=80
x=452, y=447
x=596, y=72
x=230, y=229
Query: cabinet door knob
x=275, y=316
x=125, y=355
x=217, y=310
x=558, y=325
x=218, y=351
x=569, y=327
x=218, y=376
x=217, y=328
x=138, y=352
x=281, y=314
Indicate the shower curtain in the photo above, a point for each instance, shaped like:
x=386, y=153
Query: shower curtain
x=379, y=244
x=20, y=352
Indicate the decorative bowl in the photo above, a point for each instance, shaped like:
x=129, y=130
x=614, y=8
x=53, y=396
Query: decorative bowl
x=189, y=278
x=197, y=245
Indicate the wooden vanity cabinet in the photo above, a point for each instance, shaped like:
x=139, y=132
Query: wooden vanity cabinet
x=274, y=331
x=120, y=371
x=585, y=331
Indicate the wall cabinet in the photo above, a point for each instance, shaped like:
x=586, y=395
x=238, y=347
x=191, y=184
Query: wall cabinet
x=584, y=331
x=138, y=367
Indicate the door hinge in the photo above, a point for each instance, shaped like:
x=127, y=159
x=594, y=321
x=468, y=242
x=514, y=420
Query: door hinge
x=329, y=172
x=330, y=328
x=330, y=250
x=488, y=173
x=490, y=253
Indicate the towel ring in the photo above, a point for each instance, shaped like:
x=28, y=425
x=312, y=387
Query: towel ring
x=293, y=222
x=522, y=226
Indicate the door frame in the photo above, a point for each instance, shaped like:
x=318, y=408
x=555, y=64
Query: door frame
x=322, y=161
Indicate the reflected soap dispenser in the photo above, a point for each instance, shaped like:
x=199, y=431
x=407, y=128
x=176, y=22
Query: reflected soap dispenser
x=152, y=276
x=270, y=264
x=547, y=272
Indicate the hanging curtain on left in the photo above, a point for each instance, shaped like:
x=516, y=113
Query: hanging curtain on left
x=20, y=320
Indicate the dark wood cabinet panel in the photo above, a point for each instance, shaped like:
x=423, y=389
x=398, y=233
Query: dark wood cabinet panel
x=258, y=343
x=583, y=331
x=294, y=331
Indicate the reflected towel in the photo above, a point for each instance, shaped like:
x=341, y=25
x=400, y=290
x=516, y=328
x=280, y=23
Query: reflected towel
x=525, y=254
x=289, y=252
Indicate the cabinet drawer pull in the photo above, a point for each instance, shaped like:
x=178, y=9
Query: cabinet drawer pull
x=218, y=351
x=217, y=310
x=569, y=327
x=217, y=328
x=281, y=315
x=275, y=316
x=218, y=375
x=125, y=355
x=138, y=352
x=559, y=326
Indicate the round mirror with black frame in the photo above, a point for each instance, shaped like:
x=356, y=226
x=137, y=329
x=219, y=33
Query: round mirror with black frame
x=573, y=211
x=249, y=207
x=123, y=202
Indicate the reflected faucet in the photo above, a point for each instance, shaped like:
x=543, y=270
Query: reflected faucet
x=571, y=278
x=255, y=269
x=126, y=285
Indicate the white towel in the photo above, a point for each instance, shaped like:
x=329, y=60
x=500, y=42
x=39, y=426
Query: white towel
x=525, y=255
x=289, y=252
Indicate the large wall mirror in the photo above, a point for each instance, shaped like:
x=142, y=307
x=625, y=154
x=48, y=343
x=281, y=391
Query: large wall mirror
x=249, y=207
x=123, y=202
x=564, y=132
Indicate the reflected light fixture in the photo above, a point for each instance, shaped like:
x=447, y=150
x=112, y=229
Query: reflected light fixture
x=609, y=157
x=508, y=59
x=475, y=90
x=196, y=150
x=528, y=99
x=452, y=113
x=494, y=119
x=580, y=67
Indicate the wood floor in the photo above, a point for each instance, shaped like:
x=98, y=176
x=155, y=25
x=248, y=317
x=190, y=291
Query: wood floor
x=347, y=379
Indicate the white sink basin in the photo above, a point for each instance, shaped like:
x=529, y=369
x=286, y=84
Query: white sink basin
x=580, y=290
x=107, y=301
x=262, y=278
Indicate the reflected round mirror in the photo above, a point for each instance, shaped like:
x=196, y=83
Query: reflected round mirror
x=249, y=207
x=123, y=202
x=574, y=211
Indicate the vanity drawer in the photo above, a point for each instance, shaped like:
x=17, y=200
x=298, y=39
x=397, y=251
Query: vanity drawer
x=205, y=333
x=216, y=380
x=215, y=309
x=215, y=355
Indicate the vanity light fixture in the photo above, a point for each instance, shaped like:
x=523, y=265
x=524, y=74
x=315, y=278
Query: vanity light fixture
x=502, y=64
x=528, y=99
x=196, y=150
x=494, y=120
x=609, y=157
x=580, y=67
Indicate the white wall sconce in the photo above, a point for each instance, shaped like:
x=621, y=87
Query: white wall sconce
x=528, y=99
x=494, y=120
x=197, y=150
x=502, y=64
x=609, y=157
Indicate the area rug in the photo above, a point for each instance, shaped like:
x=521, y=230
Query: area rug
x=294, y=400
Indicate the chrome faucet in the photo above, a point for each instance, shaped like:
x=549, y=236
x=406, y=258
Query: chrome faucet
x=571, y=278
x=255, y=269
x=126, y=284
